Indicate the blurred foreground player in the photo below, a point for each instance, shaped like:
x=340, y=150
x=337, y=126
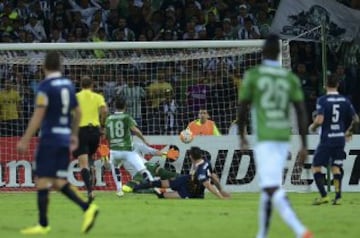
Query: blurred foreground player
x=57, y=114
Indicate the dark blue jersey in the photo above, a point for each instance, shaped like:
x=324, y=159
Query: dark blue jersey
x=57, y=94
x=199, y=174
x=338, y=113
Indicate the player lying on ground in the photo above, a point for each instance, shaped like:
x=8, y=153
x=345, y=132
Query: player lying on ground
x=191, y=185
x=152, y=165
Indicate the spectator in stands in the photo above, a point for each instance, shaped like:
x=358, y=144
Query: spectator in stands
x=170, y=111
x=249, y=31
x=264, y=23
x=134, y=95
x=198, y=95
x=10, y=109
x=36, y=28
x=243, y=14
x=122, y=32
x=228, y=30
x=203, y=126
x=156, y=95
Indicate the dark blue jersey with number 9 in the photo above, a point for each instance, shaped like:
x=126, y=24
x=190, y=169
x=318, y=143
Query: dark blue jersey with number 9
x=57, y=94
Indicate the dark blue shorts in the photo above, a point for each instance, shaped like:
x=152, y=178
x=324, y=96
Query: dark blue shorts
x=325, y=155
x=180, y=185
x=52, y=161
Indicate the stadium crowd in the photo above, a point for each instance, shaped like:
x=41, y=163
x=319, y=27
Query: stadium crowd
x=161, y=103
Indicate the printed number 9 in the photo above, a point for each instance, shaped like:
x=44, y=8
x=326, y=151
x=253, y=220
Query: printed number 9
x=65, y=100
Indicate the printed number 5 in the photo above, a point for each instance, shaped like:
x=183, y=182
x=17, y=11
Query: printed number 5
x=335, y=113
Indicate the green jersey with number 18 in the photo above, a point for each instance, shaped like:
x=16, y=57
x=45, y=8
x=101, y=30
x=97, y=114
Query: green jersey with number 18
x=271, y=90
x=118, y=131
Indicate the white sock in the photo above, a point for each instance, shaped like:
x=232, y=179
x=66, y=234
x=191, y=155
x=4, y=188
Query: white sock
x=265, y=207
x=147, y=175
x=282, y=205
x=117, y=179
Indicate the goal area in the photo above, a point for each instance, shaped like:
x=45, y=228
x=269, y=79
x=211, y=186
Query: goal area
x=165, y=84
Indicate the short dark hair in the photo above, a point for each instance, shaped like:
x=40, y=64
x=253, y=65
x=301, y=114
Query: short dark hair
x=196, y=152
x=332, y=81
x=86, y=81
x=52, y=61
x=120, y=103
x=271, y=48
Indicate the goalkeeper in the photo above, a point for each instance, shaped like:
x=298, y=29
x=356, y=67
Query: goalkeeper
x=152, y=166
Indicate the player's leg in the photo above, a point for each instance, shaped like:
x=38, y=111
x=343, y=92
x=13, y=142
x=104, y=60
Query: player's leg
x=115, y=160
x=82, y=155
x=71, y=192
x=270, y=160
x=321, y=158
x=137, y=163
x=45, y=171
x=43, y=227
x=336, y=169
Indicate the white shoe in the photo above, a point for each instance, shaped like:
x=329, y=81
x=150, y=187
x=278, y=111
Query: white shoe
x=120, y=193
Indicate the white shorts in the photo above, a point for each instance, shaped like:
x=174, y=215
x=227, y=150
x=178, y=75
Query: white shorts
x=129, y=157
x=270, y=159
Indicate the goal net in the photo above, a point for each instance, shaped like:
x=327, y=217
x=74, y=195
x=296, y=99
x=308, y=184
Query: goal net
x=165, y=83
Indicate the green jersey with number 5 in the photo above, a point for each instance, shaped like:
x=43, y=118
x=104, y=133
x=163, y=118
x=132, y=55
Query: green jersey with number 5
x=118, y=131
x=271, y=90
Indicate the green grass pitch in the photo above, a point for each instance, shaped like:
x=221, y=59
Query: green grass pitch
x=146, y=216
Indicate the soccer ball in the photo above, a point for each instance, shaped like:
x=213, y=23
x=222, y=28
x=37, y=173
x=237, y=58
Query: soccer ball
x=186, y=136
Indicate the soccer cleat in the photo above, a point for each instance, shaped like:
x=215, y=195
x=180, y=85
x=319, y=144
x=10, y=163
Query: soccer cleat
x=322, y=200
x=36, y=230
x=307, y=234
x=89, y=218
x=120, y=193
x=127, y=189
x=336, y=201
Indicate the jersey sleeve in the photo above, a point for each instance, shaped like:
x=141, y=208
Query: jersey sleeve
x=320, y=106
x=41, y=98
x=131, y=122
x=245, y=91
x=204, y=172
x=296, y=92
x=101, y=100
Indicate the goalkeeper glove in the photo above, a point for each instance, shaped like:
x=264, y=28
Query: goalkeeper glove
x=172, y=154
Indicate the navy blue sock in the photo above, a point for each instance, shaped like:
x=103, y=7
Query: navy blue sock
x=43, y=201
x=74, y=195
x=156, y=183
x=319, y=180
x=337, y=185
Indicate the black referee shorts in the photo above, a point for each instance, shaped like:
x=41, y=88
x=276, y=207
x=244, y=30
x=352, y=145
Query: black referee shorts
x=89, y=139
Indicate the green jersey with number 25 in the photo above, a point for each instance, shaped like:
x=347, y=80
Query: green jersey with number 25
x=271, y=90
x=118, y=131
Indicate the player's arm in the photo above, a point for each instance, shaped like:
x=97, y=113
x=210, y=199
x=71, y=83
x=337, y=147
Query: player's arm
x=35, y=122
x=318, y=121
x=76, y=114
x=103, y=110
x=139, y=134
x=212, y=189
x=216, y=181
x=353, y=126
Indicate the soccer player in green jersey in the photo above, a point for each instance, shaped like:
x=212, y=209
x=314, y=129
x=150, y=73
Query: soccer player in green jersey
x=118, y=130
x=269, y=90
